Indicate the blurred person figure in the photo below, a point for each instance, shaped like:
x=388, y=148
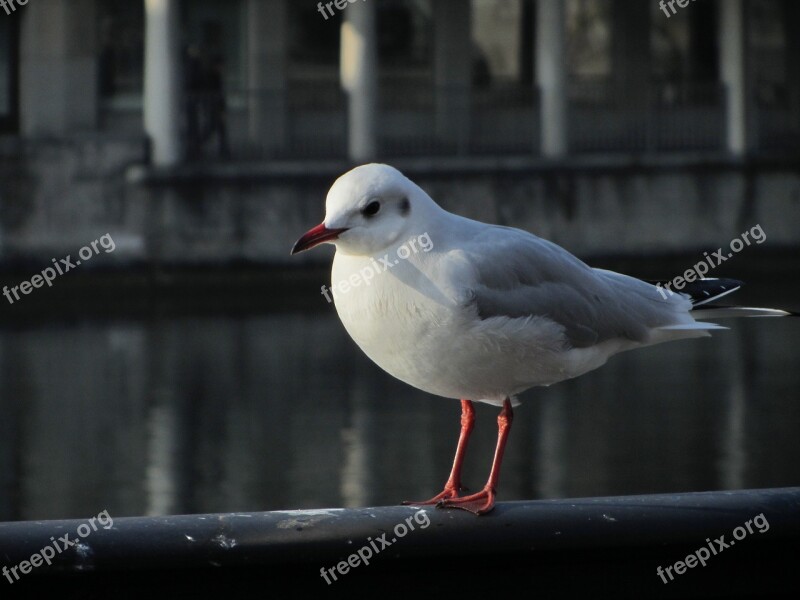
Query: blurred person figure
x=204, y=103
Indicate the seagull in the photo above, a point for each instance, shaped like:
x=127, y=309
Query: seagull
x=479, y=312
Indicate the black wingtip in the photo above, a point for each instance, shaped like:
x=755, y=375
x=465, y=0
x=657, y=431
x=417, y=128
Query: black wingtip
x=703, y=291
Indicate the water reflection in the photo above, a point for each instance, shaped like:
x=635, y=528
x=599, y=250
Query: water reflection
x=260, y=412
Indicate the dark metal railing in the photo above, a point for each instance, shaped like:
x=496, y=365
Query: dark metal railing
x=622, y=547
x=308, y=119
x=608, y=117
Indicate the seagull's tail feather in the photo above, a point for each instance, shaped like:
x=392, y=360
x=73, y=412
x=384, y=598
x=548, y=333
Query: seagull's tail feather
x=725, y=312
x=697, y=325
x=702, y=292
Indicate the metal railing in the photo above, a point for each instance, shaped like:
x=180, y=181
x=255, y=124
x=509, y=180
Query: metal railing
x=777, y=120
x=624, y=547
x=607, y=117
x=308, y=119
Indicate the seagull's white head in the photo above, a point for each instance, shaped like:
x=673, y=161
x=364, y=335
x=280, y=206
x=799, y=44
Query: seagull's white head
x=369, y=209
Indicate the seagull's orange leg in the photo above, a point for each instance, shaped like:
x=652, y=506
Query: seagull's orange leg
x=482, y=502
x=453, y=485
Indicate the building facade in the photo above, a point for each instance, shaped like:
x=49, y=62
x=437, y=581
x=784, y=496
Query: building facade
x=96, y=94
x=393, y=78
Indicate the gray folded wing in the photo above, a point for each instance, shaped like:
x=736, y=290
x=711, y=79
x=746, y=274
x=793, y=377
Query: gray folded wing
x=517, y=274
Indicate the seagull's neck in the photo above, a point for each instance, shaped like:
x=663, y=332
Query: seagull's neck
x=443, y=224
x=432, y=215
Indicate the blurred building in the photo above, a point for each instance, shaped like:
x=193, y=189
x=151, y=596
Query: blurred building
x=438, y=77
x=205, y=133
x=90, y=87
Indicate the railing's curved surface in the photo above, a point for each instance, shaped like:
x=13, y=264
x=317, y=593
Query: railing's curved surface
x=586, y=547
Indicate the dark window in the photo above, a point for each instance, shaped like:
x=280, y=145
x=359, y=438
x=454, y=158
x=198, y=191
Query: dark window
x=404, y=34
x=214, y=32
x=313, y=40
x=9, y=64
x=121, y=60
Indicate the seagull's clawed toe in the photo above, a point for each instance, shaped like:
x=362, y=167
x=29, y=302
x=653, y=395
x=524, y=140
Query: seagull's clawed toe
x=448, y=493
x=478, y=504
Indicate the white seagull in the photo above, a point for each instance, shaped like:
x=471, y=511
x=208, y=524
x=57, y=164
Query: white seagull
x=484, y=312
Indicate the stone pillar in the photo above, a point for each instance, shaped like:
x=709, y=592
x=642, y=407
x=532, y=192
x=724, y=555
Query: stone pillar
x=630, y=63
x=630, y=51
x=703, y=53
x=733, y=73
x=162, y=81
x=452, y=40
x=791, y=10
x=359, y=76
x=551, y=76
x=58, y=67
x=267, y=41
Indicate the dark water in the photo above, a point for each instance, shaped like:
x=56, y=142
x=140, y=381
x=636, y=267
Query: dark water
x=260, y=411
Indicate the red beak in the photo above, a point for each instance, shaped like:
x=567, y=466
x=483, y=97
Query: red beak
x=316, y=236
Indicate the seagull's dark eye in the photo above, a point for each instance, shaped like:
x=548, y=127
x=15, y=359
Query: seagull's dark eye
x=371, y=209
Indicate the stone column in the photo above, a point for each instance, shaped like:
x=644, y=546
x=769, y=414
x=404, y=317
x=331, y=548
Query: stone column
x=630, y=63
x=452, y=40
x=791, y=14
x=267, y=42
x=58, y=67
x=630, y=51
x=162, y=81
x=551, y=76
x=359, y=76
x=733, y=73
